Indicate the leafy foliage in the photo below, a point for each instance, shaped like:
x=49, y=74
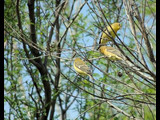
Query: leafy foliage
x=41, y=40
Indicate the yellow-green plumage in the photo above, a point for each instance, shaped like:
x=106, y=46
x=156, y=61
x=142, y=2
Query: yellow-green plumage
x=111, y=53
x=109, y=34
x=80, y=67
x=105, y=37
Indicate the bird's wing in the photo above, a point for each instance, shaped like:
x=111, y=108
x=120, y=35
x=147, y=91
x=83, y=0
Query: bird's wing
x=114, y=51
x=83, y=67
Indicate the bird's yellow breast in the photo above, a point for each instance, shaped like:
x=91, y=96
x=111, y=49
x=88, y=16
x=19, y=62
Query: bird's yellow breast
x=110, y=32
x=107, y=37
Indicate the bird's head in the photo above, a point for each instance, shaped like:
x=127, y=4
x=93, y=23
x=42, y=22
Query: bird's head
x=102, y=49
x=116, y=26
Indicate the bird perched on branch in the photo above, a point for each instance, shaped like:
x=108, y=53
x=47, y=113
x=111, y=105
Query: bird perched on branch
x=111, y=53
x=109, y=34
x=81, y=68
x=114, y=55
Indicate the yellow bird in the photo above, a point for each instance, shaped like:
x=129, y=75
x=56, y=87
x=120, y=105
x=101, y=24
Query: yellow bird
x=81, y=67
x=114, y=54
x=111, y=53
x=106, y=37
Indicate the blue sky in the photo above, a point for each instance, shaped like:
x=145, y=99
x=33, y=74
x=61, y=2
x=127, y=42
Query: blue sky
x=86, y=41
